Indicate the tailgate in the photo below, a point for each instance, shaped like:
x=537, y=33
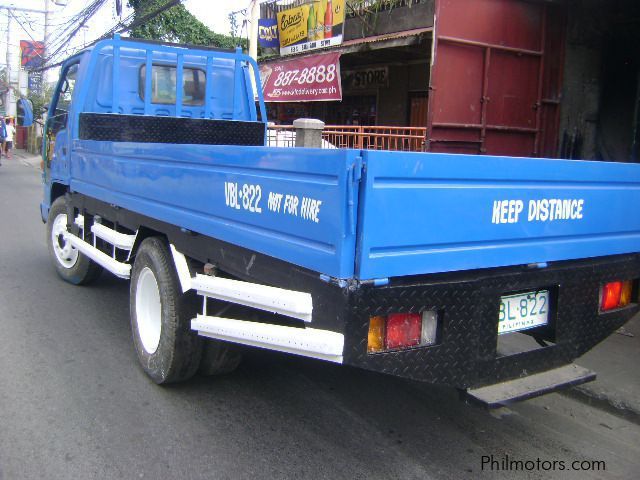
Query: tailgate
x=426, y=213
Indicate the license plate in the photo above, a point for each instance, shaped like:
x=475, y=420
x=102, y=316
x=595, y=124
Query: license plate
x=523, y=311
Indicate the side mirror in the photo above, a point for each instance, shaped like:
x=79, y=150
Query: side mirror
x=24, y=117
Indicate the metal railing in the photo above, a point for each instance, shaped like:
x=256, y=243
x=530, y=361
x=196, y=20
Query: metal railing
x=405, y=139
x=281, y=136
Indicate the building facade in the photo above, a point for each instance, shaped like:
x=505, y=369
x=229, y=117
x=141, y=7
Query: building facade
x=542, y=78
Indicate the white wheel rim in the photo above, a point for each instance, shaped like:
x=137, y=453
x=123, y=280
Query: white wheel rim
x=148, y=310
x=65, y=253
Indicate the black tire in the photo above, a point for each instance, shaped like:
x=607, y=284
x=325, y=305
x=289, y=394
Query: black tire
x=71, y=265
x=178, y=349
x=219, y=357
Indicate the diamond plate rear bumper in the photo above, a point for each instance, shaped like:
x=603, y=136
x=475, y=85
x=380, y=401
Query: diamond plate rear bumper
x=468, y=301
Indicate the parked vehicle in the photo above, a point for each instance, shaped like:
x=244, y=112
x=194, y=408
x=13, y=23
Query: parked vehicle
x=488, y=274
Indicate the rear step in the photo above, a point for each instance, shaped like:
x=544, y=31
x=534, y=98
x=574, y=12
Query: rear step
x=494, y=396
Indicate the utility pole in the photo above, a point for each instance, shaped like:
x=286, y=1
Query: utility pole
x=47, y=34
x=254, y=16
x=46, y=26
x=9, y=103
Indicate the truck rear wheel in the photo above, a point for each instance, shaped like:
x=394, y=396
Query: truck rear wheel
x=168, y=350
x=72, y=266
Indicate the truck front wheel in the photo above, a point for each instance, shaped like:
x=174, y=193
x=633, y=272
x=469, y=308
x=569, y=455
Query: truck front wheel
x=168, y=350
x=72, y=266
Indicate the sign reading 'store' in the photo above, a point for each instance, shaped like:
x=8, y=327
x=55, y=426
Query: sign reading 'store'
x=366, y=78
x=317, y=24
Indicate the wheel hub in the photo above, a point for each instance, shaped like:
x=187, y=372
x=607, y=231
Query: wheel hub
x=65, y=253
x=148, y=310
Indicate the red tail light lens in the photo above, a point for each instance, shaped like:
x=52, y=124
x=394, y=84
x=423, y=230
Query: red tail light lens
x=403, y=330
x=610, y=296
x=615, y=295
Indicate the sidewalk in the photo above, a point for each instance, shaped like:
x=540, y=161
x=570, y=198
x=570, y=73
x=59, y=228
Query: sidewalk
x=616, y=361
x=25, y=158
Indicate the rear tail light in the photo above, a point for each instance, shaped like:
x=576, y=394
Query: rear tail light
x=398, y=331
x=615, y=295
x=625, y=294
x=429, y=334
x=610, y=297
x=403, y=330
x=376, y=334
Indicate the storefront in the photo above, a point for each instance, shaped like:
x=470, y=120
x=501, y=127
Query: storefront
x=383, y=81
x=532, y=78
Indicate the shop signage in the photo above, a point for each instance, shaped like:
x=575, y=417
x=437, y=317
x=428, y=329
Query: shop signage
x=31, y=53
x=314, y=78
x=268, y=33
x=35, y=83
x=366, y=78
x=317, y=24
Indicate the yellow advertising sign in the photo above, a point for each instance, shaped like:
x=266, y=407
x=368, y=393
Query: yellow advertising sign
x=338, y=12
x=292, y=25
x=317, y=24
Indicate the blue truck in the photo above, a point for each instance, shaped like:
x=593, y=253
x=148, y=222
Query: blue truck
x=487, y=274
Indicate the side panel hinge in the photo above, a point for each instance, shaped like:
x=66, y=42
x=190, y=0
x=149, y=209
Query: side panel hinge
x=355, y=175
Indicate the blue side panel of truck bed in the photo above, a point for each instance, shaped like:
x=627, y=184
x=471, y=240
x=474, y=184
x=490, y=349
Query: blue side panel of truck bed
x=426, y=213
x=299, y=207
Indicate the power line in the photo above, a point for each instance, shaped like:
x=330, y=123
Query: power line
x=144, y=19
x=30, y=36
x=73, y=26
x=115, y=29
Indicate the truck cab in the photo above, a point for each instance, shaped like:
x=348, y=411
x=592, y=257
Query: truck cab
x=110, y=96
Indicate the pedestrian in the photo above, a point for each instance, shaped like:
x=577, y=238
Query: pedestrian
x=11, y=134
x=3, y=136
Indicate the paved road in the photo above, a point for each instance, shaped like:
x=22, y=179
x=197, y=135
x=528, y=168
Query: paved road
x=74, y=404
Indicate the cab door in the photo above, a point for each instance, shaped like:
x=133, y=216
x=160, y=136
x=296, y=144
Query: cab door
x=56, y=141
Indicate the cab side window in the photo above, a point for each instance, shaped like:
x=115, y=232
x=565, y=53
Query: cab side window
x=63, y=101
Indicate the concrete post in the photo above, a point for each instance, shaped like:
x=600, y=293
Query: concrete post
x=254, y=18
x=308, y=132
